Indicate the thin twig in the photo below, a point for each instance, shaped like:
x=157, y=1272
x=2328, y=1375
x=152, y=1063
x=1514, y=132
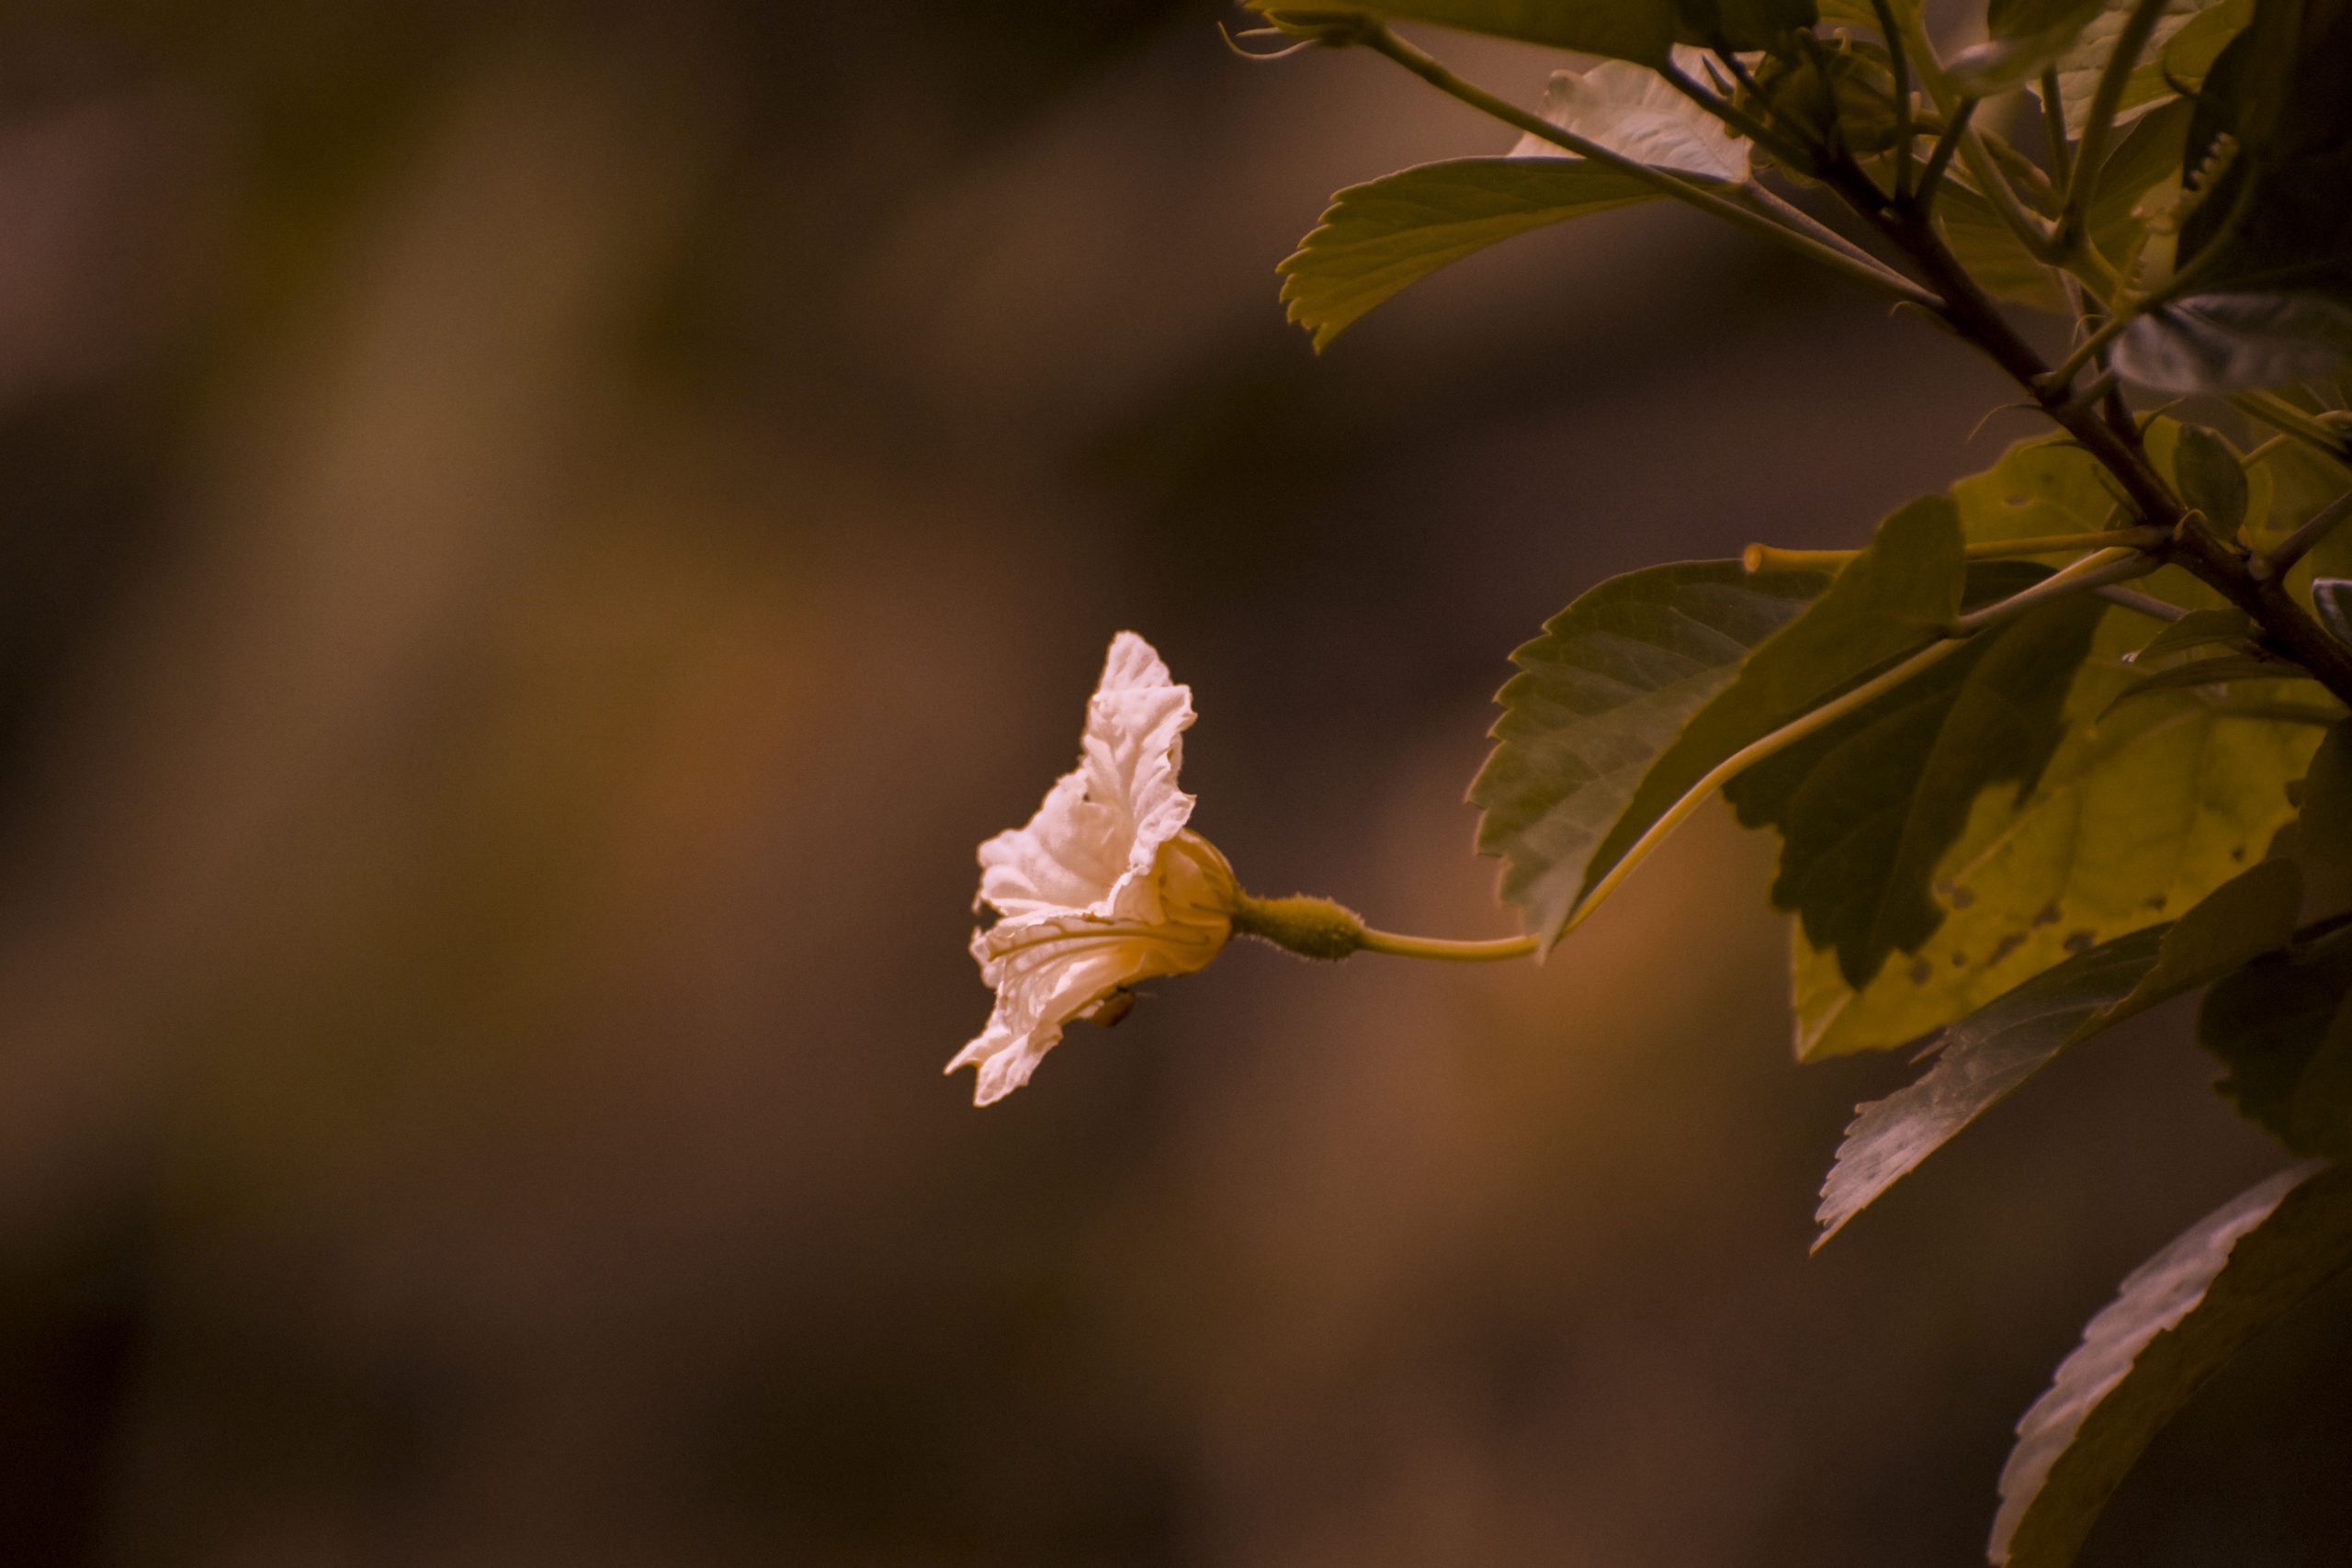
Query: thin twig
x=2295, y=546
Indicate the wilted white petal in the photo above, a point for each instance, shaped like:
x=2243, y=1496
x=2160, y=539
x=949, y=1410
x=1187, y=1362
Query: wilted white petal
x=1632, y=109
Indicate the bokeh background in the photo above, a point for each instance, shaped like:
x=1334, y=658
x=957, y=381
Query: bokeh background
x=534, y=540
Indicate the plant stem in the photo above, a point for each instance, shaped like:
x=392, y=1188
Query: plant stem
x=2099, y=571
x=2220, y=565
x=1447, y=950
x=2053, y=123
x=1898, y=61
x=1378, y=38
x=2140, y=603
x=2082, y=180
x=2287, y=419
x=1771, y=557
x=1939, y=156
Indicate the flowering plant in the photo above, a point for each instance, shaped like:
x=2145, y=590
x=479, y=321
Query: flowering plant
x=2062, y=742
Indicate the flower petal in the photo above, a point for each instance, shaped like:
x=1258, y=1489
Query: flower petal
x=1092, y=844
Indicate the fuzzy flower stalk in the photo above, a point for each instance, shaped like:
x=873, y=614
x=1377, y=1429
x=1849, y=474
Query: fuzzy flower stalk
x=1107, y=887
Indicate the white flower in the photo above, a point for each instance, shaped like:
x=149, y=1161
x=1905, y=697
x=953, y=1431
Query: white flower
x=1106, y=886
x=1632, y=109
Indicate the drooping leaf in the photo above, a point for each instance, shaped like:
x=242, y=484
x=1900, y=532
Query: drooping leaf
x=2198, y=628
x=1867, y=808
x=1623, y=29
x=1380, y=236
x=1981, y=1059
x=1598, y=696
x=2178, y=1319
x=2282, y=1028
x=1894, y=598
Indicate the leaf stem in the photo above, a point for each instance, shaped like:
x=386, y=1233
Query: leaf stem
x=2289, y=420
x=1449, y=950
x=2139, y=603
x=1377, y=37
x=1898, y=63
x=2100, y=569
x=2053, y=123
x=1939, y=155
x=1747, y=757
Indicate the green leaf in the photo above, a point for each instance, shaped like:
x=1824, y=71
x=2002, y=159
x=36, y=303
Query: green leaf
x=1598, y=697
x=1894, y=598
x=1980, y=1060
x=2198, y=628
x=2322, y=832
x=2026, y=35
x=2208, y=672
x=1624, y=30
x=2282, y=1028
x=1866, y=808
x=2139, y=812
x=1992, y=254
x=2212, y=478
x=2037, y=488
x=2178, y=1319
x=2181, y=49
x=1378, y=237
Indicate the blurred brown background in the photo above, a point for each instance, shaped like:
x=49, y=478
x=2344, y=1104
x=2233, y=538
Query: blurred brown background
x=535, y=540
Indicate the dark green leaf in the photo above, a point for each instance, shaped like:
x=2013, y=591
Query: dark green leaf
x=2212, y=478
x=2282, y=1028
x=2177, y=1320
x=2271, y=235
x=2181, y=49
x=2139, y=813
x=1380, y=236
x=2208, y=672
x=1983, y=1057
x=2322, y=832
x=1867, y=808
x=1599, y=695
x=1893, y=599
x=2198, y=628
